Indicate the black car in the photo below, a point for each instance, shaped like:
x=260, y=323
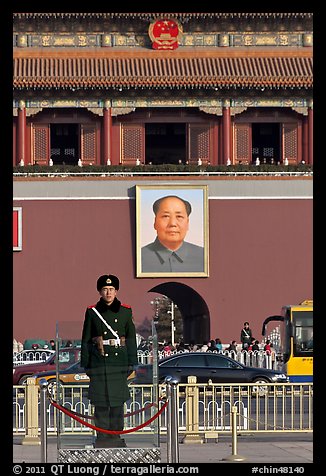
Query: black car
x=207, y=366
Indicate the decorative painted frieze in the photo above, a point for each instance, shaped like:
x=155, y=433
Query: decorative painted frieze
x=199, y=40
x=125, y=106
x=237, y=110
x=128, y=40
x=150, y=102
x=95, y=110
x=267, y=39
x=221, y=39
x=308, y=39
x=263, y=102
x=31, y=111
x=115, y=111
x=301, y=110
x=118, y=111
x=22, y=41
x=51, y=103
x=216, y=111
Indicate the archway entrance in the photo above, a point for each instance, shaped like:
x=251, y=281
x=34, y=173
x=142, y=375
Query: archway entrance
x=194, y=310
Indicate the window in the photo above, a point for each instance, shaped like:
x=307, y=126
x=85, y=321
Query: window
x=192, y=361
x=303, y=333
x=218, y=362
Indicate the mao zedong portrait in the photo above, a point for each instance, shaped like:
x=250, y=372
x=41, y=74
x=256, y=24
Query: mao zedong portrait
x=170, y=252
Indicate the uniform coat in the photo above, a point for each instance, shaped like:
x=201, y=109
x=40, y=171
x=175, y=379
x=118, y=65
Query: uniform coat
x=108, y=372
x=246, y=337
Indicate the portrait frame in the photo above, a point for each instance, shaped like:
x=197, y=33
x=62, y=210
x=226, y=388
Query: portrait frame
x=197, y=234
x=17, y=228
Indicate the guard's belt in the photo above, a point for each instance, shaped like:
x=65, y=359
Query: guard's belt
x=115, y=342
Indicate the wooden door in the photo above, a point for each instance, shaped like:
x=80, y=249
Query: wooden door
x=132, y=144
x=242, y=143
x=89, y=148
x=291, y=139
x=199, y=143
x=40, y=144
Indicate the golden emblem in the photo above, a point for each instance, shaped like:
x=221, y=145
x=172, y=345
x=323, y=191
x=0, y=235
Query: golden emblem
x=165, y=34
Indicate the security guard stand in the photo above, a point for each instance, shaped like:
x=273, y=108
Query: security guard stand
x=75, y=441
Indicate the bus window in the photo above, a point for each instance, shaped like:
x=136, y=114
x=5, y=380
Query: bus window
x=303, y=333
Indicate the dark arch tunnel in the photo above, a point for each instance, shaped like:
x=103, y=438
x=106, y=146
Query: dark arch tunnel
x=193, y=308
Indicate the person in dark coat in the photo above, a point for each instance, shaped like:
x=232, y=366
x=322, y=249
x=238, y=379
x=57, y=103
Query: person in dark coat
x=246, y=336
x=232, y=346
x=255, y=345
x=108, y=354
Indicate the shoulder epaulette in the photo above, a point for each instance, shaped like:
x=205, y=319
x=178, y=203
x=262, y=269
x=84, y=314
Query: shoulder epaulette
x=126, y=305
x=90, y=307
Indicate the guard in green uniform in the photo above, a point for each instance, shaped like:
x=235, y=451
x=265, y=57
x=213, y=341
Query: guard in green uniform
x=108, y=354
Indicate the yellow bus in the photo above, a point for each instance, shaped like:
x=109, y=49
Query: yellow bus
x=291, y=334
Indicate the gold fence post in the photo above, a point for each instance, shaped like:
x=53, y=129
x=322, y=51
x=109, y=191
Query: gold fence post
x=234, y=456
x=31, y=413
x=192, y=413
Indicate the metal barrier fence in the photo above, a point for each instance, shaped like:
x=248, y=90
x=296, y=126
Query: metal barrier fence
x=253, y=359
x=203, y=409
x=231, y=173
x=30, y=356
x=257, y=358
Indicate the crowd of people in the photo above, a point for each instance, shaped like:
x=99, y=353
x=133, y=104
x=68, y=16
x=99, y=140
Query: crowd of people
x=247, y=343
x=214, y=345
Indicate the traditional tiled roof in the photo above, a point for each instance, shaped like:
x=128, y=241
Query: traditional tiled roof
x=181, y=16
x=211, y=69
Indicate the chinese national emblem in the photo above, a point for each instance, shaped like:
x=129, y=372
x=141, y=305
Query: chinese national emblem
x=165, y=34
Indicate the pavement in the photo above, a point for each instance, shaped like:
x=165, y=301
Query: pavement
x=287, y=448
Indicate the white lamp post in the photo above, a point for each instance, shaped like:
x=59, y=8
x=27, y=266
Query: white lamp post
x=155, y=305
x=172, y=322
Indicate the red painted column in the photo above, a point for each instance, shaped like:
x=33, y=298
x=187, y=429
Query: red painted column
x=226, y=120
x=305, y=140
x=107, y=134
x=310, y=134
x=215, y=156
x=21, y=133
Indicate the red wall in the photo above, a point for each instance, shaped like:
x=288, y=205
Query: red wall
x=260, y=259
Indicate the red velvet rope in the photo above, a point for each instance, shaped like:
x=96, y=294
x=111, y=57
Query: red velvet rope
x=109, y=432
x=126, y=415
